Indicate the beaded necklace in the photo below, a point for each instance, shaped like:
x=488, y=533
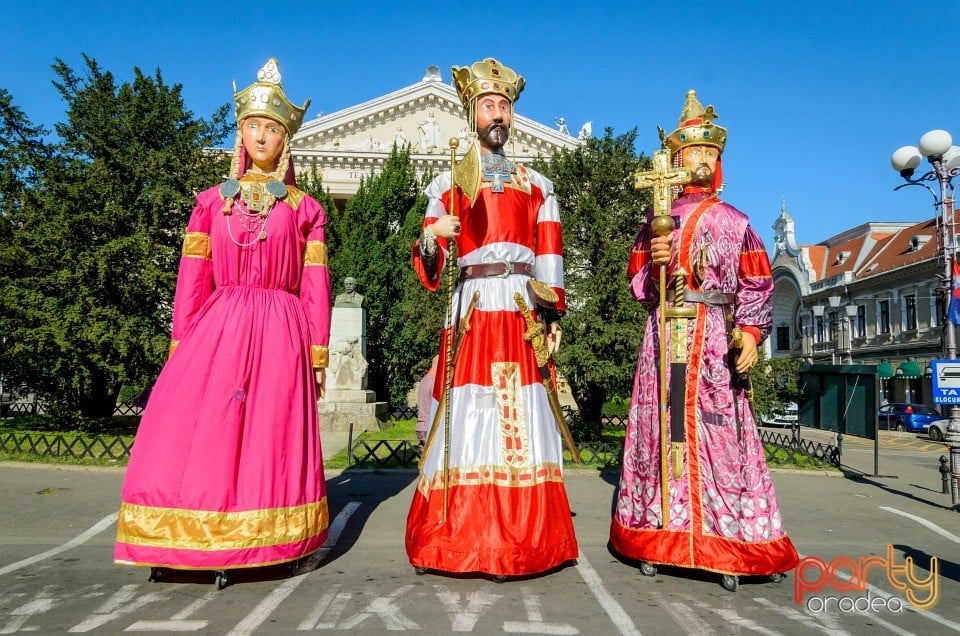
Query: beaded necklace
x=257, y=198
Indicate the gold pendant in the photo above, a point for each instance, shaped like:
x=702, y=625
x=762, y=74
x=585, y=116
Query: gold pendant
x=263, y=235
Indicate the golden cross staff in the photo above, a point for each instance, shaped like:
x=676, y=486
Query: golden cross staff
x=661, y=179
x=448, y=372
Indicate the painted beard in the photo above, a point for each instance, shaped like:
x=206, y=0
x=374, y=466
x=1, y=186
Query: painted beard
x=702, y=176
x=494, y=136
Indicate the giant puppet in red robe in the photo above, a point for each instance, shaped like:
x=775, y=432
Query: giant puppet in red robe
x=491, y=498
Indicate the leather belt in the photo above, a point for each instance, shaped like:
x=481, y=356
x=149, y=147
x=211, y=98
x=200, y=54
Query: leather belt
x=713, y=297
x=497, y=269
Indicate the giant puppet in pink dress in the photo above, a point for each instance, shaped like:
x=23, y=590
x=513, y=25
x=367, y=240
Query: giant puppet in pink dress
x=491, y=498
x=227, y=470
x=723, y=512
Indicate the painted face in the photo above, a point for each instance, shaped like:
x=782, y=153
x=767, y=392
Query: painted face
x=263, y=140
x=494, y=113
x=701, y=161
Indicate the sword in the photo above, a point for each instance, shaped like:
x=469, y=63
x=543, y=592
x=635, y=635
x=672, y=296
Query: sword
x=536, y=337
x=441, y=407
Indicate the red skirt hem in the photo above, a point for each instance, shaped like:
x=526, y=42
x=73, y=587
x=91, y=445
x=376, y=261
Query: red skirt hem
x=704, y=552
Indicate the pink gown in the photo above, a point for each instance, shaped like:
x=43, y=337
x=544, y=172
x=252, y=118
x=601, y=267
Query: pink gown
x=724, y=515
x=227, y=470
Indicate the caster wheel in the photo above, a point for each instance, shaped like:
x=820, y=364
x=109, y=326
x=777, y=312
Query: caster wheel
x=157, y=575
x=778, y=577
x=730, y=582
x=420, y=571
x=648, y=569
x=292, y=567
x=222, y=580
x=499, y=578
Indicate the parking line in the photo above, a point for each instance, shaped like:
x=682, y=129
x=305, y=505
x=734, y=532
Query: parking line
x=618, y=616
x=924, y=522
x=80, y=539
x=262, y=611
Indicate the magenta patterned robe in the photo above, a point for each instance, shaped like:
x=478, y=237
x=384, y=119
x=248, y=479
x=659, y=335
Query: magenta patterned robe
x=724, y=515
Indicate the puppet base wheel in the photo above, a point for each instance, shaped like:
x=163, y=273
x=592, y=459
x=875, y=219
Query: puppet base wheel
x=157, y=574
x=730, y=582
x=499, y=578
x=778, y=577
x=648, y=569
x=222, y=580
x=420, y=571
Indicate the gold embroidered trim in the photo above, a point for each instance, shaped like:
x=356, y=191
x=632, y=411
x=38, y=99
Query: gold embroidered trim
x=514, y=445
x=315, y=254
x=196, y=245
x=208, y=530
x=320, y=354
x=294, y=196
x=502, y=476
x=173, y=347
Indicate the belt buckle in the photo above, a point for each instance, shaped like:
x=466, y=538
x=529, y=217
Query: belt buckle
x=507, y=268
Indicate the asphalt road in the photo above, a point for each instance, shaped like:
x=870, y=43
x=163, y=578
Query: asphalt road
x=57, y=576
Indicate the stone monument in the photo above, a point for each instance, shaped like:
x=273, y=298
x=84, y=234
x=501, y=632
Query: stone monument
x=348, y=401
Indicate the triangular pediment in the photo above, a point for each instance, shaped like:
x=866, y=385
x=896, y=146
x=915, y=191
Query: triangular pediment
x=350, y=143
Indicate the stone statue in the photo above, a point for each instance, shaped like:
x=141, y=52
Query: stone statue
x=561, y=124
x=349, y=365
x=349, y=297
x=430, y=135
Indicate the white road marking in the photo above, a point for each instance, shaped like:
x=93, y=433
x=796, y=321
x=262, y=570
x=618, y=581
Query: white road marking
x=463, y=619
x=262, y=611
x=795, y=615
x=178, y=622
x=907, y=607
x=534, y=623
x=621, y=620
x=99, y=527
x=733, y=618
x=384, y=607
x=924, y=522
x=684, y=617
x=123, y=601
x=330, y=600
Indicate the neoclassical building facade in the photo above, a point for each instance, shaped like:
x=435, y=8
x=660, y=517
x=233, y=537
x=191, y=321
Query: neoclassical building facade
x=870, y=295
x=350, y=144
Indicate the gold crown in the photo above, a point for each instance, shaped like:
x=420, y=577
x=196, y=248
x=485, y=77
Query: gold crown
x=695, y=128
x=486, y=76
x=265, y=98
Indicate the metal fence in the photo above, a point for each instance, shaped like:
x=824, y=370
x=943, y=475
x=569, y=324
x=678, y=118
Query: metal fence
x=384, y=453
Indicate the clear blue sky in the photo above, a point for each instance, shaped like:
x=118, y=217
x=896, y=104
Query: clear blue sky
x=816, y=94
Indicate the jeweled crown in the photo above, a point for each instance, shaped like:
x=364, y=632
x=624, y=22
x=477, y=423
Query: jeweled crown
x=486, y=76
x=265, y=98
x=695, y=128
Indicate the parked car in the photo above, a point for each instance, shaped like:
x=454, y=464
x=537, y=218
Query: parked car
x=787, y=417
x=902, y=416
x=938, y=430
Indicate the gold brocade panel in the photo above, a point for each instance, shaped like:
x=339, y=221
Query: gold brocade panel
x=514, y=444
x=196, y=245
x=205, y=530
x=315, y=254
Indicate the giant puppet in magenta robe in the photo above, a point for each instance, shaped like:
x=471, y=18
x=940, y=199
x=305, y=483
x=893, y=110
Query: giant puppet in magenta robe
x=491, y=496
x=721, y=511
x=227, y=471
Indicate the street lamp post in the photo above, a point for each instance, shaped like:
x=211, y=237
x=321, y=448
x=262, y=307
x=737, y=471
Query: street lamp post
x=937, y=146
x=851, y=311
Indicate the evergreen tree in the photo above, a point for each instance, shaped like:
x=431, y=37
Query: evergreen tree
x=601, y=215
x=91, y=299
x=375, y=235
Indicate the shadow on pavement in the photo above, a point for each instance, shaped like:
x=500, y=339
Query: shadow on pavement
x=948, y=569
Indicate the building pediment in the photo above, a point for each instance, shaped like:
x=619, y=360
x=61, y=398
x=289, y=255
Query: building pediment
x=348, y=144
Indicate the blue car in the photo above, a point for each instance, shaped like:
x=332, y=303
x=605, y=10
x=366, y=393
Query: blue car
x=901, y=416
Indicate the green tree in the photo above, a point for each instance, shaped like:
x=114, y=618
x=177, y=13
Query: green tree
x=91, y=299
x=774, y=383
x=375, y=235
x=601, y=214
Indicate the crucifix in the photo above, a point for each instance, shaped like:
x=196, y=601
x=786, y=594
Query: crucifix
x=498, y=174
x=672, y=345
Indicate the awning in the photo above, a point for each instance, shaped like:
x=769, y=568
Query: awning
x=909, y=370
x=885, y=370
